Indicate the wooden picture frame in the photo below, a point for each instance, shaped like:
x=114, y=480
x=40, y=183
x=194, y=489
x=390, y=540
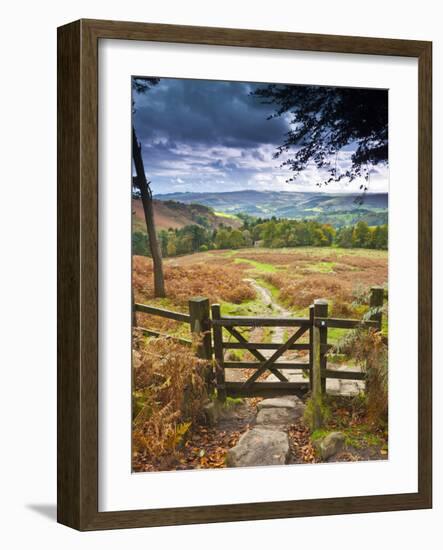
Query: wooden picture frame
x=78, y=273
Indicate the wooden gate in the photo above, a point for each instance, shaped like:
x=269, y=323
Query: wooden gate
x=210, y=330
x=316, y=326
x=252, y=386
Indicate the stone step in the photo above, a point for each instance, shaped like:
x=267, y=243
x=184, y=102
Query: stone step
x=267, y=443
x=280, y=417
x=286, y=402
x=259, y=447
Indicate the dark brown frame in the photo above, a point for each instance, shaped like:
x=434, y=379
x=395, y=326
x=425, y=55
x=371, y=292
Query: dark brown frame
x=77, y=480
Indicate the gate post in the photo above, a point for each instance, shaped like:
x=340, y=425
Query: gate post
x=218, y=354
x=320, y=308
x=201, y=332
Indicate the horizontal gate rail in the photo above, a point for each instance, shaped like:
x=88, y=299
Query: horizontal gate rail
x=261, y=322
x=256, y=365
x=256, y=345
x=266, y=389
x=343, y=374
x=343, y=323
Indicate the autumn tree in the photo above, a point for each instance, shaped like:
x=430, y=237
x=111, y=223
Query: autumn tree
x=362, y=235
x=140, y=86
x=344, y=237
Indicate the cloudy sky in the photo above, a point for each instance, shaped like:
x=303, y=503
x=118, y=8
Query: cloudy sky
x=200, y=135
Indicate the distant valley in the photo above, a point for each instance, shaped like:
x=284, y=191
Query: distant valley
x=336, y=209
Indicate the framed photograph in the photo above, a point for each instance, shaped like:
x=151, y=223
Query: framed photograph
x=244, y=275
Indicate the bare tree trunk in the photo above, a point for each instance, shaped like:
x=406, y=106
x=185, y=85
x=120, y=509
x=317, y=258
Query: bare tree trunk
x=146, y=196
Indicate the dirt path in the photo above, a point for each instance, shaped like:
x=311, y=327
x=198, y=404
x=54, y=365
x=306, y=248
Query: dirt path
x=278, y=334
x=270, y=305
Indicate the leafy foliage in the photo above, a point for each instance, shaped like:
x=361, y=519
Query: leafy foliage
x=369, y=349
x=273, y=233
x=325, y=121
x=141, y=84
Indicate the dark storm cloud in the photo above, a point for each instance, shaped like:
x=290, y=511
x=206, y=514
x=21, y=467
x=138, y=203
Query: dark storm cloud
x=205, y=112
x=200, y=135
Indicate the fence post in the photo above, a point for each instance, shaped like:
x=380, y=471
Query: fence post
x=376, y=301
x=201, y=333
x=218, y=354
x=321, y=310
x=320, y=307
x=200, y=326
x=311, y=346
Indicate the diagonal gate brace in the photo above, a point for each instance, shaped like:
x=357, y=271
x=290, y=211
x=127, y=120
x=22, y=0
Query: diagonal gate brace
x=256, y=353
x=269, y=363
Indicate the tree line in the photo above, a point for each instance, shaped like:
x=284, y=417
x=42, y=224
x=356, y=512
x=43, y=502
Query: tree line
x=273, y=233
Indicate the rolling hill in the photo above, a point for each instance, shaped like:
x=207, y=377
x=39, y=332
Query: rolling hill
x=175, y=215
x=338, y=209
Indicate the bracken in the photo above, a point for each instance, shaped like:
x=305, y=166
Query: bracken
x=169, y=391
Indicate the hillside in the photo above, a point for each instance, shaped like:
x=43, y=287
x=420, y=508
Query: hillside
x=175, y=215
x=338, y=209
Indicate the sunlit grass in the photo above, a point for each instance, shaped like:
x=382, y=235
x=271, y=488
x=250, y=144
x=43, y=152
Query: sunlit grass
x=226, y=215
x=258, y=266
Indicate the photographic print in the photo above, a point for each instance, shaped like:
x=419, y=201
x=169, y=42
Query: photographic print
x=259, y=274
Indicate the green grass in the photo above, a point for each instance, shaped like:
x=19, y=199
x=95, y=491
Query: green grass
x=245, y=309
x=232, y=402
x=319, y=434
x=321, y=267
x=359, y=437
x=258, y=266
x=267, y=335
x=384, y=325
x=336, y=334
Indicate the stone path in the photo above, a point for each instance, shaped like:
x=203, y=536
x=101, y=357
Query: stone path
x=267, y=442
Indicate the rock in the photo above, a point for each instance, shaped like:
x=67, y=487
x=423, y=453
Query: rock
x=287, y=402
x=279, y=416
x=259, y=447
x=330, y=445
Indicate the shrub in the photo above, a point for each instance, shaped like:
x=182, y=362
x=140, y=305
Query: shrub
x=168, y=393
x=369, y=349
